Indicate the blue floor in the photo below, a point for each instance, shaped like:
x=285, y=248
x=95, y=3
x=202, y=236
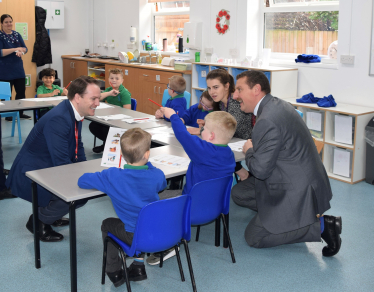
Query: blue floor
x=296, y=267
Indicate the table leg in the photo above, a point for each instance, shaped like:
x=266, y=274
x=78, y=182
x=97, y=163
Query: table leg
x=73, y=247
x=36, y=224
x=225, y=240
x=218, y=231
x=34, y=114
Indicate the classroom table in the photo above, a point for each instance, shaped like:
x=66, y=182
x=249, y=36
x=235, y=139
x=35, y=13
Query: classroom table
x=23, y=104
x=62, y=181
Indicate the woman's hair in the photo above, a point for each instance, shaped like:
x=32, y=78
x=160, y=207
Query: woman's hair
x=223, y=76
x=2, y=18
x=208, y=97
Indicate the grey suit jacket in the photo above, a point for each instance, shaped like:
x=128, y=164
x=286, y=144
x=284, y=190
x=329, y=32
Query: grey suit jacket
x=291, y=183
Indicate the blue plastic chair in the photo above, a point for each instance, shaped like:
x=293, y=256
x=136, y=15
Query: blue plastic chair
x=134, y=103
x=210, y=201
x=166, y=96
x=6, y=94
x=160, y=226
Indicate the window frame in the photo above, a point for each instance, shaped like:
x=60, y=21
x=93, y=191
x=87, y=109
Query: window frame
x=293, y=7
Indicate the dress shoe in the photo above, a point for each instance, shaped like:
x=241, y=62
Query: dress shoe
x=46, y=233
x=61, y=222
x=117, y=278
x=6, y=194
x=98, y=149
x=331, y=235
x=136, y=272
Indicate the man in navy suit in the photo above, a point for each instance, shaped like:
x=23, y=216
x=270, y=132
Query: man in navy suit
x=55, y=140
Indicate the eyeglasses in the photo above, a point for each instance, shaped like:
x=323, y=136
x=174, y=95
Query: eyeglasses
x=168, y=86
x=205, y=106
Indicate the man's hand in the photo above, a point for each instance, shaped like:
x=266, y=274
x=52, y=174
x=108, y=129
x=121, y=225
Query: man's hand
x=247, y=145
x=168, y=112
x=158, y=114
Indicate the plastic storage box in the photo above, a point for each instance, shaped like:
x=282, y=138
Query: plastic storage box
x=237, y=71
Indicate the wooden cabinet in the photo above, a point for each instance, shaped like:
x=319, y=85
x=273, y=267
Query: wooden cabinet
x=72, y=69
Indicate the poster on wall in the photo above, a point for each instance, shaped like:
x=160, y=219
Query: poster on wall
x=22, y=29
x=28, y=80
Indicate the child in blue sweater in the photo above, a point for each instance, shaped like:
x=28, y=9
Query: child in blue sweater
x=130, y=189
x=177, y=101
x=210, y=156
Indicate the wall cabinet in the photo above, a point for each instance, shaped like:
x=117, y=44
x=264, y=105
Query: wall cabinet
x=55, y=14
x=354, y=162
x=72, y=69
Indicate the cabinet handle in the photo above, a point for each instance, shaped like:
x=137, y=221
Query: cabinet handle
x=74, y=65
x=159, y=90
x=154, y=90
x=145, y=75
x=71, y=65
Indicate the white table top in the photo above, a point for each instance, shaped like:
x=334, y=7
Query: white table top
x=20, y=104
x=56, y=181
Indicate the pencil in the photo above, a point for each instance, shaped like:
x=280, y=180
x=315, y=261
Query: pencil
x=141, y=119
x=120, y=159
x=67, y=85
x=154, y=102
x=111, y=84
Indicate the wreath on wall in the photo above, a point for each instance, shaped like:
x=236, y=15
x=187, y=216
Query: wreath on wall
x=223, y=21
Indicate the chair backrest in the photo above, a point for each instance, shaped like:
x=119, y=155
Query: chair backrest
x=166, y=96
x=162, y=224
x=210, y=198
x=299, y=112
x=56, y=77
x=133, y=104
x=5, y=92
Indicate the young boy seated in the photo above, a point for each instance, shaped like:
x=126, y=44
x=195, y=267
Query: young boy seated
x=116, y=94
x=177, y=101
x=210, y=156
x=48, y=89
x=130, y=189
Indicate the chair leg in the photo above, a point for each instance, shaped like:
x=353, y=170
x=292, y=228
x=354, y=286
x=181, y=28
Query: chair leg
x=94, y=141
x=19, y=128
x=189, y=264
x=228, y=238
x=13, y=126
x=125, y=268
x=197, y=233
x=179, y=263
x=218, y=232
x=162, y=259
x=104, y=261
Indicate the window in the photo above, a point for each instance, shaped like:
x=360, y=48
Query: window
x=169, y=20
x=300, y=26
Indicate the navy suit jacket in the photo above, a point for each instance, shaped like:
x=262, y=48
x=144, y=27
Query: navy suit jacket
x=50, y=143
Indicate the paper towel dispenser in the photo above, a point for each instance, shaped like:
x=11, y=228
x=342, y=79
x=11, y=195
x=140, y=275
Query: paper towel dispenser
x=192, y=35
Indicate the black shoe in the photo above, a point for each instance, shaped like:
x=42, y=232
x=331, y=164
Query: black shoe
x=117, y=278
x=61, y=222
x=136, y=272
x=9, y=119
x=25, y=117
x=98, y=149
x=46, y=231
x=331, y=235
x=6, y=194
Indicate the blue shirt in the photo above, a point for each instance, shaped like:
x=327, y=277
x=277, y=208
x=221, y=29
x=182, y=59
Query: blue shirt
x=191, y=115
x=177, y=103
x=130, y=189
x=11, y=66
x=208, y=161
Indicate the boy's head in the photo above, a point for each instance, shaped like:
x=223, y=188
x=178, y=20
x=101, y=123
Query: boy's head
x=48, y=76
x=207, y=103
x=219, y=127
x=135, y=145
x=177, y=85
x=116, y=77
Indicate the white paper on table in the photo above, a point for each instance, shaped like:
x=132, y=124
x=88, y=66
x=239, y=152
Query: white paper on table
x=113, y=117
x=112, y=151
x=343, y=129
x=237, y=146
x=164, y=131
x=46, y=98
x=1, y=103
x=170, y=160
x=140, y=120
x=314, y=121
x=342, y=159
x=104, y=105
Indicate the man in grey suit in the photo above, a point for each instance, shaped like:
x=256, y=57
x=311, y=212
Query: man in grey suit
x=289, y=187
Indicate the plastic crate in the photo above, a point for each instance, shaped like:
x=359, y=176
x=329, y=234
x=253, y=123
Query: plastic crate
x=237, y=71
x=202, y=71
x=218, y=67
x=267, y=74
x=198, y=93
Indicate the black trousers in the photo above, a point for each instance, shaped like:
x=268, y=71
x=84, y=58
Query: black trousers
x=98, y=130
x=2, y=175
x=20, y=88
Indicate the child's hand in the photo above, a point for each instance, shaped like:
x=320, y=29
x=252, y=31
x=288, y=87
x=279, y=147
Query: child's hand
x=158, y=114
x=168, y=112
x=193, y=131
x=55, y=92
x=200, y=122
x=113, y=92
x=64, y=92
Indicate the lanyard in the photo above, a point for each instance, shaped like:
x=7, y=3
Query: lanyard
x=76, y=141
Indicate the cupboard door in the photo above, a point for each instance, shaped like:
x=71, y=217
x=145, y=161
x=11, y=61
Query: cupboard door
x=68, y=71
x=80, y=68
x=130, y=78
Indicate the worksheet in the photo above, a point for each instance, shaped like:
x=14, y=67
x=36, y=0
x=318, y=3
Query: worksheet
x=112, y=152
x=237, y=146
x=103, y=105
x=113, y=117
x=139, y=120
x=46, y=98
x=170, y=160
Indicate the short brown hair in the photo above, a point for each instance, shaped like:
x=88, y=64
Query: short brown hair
x=47, y=72
x=255, y=77
x=116, y=71
x=177, y=83
x=80, y=84
x=222, y=124
x=223, y=76
x=208, y=97
x=134, y=143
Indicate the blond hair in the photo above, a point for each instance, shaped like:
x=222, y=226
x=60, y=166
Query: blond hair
x=134, y=143
x=222, y=124
x=177, y=83
x=116, y=71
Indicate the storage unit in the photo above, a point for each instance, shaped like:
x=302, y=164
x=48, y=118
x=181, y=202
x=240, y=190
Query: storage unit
x=283, y=81
x=73, y=69
x=55, y=14
x=351, y=157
